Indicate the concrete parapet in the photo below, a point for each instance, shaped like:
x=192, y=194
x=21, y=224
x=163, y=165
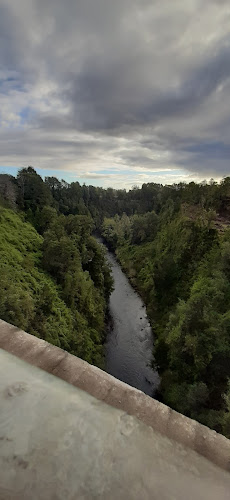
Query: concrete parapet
x=104, y=387
x=58, y=442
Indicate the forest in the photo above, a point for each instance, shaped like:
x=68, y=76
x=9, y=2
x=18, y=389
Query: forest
x=173, y=242
x=55, y=282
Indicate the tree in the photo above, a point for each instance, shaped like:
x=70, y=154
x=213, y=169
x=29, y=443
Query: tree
x=8, y=190
x=144, y=227
x=33, y=192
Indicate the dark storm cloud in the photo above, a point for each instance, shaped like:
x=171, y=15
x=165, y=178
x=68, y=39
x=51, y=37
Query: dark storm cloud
x=107, y=96
x=137, y=83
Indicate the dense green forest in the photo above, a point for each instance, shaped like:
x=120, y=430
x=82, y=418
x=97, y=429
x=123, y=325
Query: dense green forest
x=178, y=258
x=174, y=244
x=55, y=282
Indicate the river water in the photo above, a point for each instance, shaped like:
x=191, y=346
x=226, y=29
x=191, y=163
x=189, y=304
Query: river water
x=129, y=342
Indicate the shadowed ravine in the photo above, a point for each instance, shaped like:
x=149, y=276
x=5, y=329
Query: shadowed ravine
x=130, y=338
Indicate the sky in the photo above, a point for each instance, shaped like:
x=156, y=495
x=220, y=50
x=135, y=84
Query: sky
x=116, y=92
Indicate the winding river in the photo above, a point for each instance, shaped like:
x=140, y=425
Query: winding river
x=130, y=339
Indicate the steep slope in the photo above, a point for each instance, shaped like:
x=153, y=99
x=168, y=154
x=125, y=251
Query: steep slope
x=33, y=300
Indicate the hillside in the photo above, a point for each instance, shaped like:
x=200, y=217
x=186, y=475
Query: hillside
x=180, y=264
x=67, y=314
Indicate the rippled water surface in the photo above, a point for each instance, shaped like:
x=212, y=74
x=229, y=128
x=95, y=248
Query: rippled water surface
x=130, y=338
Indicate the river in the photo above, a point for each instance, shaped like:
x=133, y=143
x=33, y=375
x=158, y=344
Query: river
x=129, y=342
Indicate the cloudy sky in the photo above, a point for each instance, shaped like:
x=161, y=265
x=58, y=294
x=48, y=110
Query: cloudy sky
x=116, y=92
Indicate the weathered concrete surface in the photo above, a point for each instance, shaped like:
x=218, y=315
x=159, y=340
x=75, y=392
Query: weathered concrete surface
x=58, y=442
x=104, y=387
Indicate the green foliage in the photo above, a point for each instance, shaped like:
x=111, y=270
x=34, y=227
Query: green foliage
x=144, y=227
x=117, y=230
x=135, y=229
x=198, y=333
x=8, y=191
x=182, y=269
x=67, y=309
x=33, y=192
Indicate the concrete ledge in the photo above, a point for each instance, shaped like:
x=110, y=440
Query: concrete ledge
x=59, y=442
x=104, y=387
